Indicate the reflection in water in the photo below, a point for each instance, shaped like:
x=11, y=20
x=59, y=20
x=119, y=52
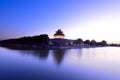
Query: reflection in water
x=42, y=54
x=76, y=64
x=59, y=55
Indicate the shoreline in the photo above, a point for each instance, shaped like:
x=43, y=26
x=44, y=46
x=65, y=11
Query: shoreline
x=38, y=47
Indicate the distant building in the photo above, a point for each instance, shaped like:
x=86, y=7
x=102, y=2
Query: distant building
x=59, y=40
x=59, y=34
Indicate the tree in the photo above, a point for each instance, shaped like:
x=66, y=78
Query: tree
x=44, y=39
x=78, y=41
x=93, y=42
x=103, y=42
x=87, y=42
x=34, y=40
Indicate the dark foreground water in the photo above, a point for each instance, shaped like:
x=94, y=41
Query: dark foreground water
x=70, y=64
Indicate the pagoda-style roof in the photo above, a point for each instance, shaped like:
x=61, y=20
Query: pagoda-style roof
x=59, y=32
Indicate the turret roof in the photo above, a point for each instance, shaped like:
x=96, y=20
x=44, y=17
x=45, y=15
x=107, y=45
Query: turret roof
x=59, y=32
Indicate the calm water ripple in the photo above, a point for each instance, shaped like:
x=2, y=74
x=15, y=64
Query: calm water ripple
x=101, y=63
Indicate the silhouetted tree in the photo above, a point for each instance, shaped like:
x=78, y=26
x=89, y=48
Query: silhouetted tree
x=92, y=42
x=87, y=42
x=44, y=39
x=78, y=41
x=103, y=42
x=34, y=40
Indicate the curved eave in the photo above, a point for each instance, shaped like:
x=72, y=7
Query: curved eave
x=59, y=35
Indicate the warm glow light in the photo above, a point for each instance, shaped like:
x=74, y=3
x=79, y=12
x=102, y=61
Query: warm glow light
x=59, y=36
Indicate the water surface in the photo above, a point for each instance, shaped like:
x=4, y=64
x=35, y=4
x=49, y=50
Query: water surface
x=102, y=63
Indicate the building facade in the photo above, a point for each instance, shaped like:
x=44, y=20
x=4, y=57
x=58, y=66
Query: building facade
x=59, y=34
x=59, y=39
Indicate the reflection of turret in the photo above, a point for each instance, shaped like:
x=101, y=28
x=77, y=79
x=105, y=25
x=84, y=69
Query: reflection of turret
x=59, y=56
x=59, y=34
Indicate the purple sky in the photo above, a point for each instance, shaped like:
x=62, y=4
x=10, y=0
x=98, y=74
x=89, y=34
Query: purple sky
x=86, y=19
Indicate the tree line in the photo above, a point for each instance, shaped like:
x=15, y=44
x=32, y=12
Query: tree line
x=36, y=40
x=44, y=40
x=80, y=41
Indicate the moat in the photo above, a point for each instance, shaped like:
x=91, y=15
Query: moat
x=62, y=64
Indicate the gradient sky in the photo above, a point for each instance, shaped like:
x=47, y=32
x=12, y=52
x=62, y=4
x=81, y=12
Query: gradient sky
x=86, y=19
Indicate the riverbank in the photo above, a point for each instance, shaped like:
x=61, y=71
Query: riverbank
x=37, y=47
